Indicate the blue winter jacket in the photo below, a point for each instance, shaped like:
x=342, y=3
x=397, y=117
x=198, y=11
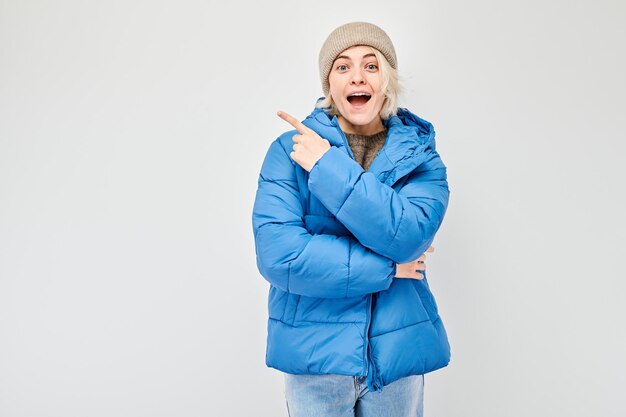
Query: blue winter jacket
x=328, y=242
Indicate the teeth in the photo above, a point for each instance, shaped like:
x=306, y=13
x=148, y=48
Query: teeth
x=358, y=94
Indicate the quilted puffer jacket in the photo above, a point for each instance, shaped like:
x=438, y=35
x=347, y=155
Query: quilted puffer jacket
x=328, y=242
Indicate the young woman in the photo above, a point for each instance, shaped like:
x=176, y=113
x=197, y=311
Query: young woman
x=346, y=207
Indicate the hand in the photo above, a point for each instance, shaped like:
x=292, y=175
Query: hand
x=409, y=269
x=309, y=146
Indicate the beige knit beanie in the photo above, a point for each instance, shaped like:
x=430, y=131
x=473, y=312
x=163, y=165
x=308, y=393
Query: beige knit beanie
x=352, y=34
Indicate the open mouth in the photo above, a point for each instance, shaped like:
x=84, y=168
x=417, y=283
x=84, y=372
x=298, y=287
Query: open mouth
x=358, y=99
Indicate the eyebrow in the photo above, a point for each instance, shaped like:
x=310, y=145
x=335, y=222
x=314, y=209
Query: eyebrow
x=348, y=58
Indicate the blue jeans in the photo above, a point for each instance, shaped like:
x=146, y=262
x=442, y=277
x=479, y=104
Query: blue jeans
x=341, y=395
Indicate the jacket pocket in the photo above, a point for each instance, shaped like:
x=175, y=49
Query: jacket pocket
x=276, y=302
x=397, y=307
x=291, y=306
x=427, y=298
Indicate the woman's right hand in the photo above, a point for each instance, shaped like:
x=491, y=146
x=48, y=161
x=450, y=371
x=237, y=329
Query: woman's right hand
x=410, y=269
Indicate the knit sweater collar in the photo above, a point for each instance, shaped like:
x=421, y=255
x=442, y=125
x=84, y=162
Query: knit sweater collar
x=367, y=139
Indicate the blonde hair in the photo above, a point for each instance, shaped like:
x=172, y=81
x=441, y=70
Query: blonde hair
x=390, y=88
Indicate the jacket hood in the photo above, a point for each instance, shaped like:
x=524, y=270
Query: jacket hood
x=409, y=138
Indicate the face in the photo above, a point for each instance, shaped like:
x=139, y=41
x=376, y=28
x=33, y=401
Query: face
x=355, y=86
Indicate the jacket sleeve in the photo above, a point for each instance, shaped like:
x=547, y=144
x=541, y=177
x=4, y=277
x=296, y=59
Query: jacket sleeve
x=399, y=225
x=292, y=259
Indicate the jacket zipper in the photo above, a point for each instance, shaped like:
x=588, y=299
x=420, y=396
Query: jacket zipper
x=374, y=382
x=373, y=379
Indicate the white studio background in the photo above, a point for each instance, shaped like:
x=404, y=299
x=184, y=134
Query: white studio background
x=131, y=137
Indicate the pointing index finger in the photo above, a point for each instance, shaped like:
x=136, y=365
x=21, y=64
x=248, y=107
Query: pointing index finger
x=293, y=121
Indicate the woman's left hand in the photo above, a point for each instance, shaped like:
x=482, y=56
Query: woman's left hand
x=411, y=269
x=309, y=146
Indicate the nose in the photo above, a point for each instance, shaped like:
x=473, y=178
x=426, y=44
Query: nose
x=357, y=78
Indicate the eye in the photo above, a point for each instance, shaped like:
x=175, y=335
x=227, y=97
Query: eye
x=372, y=66
x=342, y=67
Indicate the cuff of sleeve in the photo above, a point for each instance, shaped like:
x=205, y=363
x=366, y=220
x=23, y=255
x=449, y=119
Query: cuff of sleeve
x=333, y=177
